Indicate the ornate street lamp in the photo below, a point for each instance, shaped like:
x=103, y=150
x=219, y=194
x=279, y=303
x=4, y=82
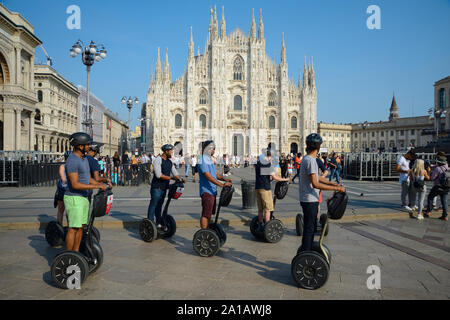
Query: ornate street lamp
x=89, y=55
x=129, y=101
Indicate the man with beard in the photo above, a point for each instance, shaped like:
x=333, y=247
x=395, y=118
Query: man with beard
x=164, y=171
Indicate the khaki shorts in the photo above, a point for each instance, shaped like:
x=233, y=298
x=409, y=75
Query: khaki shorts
x=264, y=199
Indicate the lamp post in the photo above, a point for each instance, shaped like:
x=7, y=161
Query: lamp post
x=89, y=55
x=129, y=103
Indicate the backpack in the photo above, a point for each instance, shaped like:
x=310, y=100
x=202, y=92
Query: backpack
x=281, y=188
x=418, y=184
x=444, y=179
x=337, y=205
x=225, y=196
x=102, y=203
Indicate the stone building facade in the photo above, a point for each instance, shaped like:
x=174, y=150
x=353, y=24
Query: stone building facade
x=442, y=103
x=336, y=137
x=233, y=93
x=17, y=95
x=114, y=133
x=56, y=115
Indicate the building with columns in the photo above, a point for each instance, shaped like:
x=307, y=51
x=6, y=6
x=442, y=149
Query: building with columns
x=336, y=137
x=17, y=94
x=233, y=93
x=442, y=103
x=56, y=114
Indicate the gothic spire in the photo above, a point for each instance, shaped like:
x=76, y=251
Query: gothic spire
x=305, y=76
x=223, y=29
x=159, y=71
x=253, y=27
x=261, y=26
x=283, y=51
x=191, y=46
x=166, y=66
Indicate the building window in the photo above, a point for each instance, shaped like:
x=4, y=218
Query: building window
x=392, y=133
x=382, y=133
x=39, y=94
x=238, y=68
x=272, y=99
x=294, y=123
x=202, y=121
x=442, y=98
x=373, y=134
x=413, y=131
x=271, y=122
x=237, y=103
x=203, y=97
x=364, y=134
x=356, y=135
x=401, y=132
x=178, y=121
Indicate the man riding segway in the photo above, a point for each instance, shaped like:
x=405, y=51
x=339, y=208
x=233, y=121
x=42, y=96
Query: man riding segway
x=164, y=170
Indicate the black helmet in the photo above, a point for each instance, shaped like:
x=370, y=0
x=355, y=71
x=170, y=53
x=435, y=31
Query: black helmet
x=96, y=147
x=166, y=147
x=79, y=139
x=207, y=143
x=313, y=141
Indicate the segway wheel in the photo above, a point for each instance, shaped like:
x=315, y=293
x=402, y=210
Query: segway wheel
x=206, y=243
x=96, y=234
x=98, y=255
x=323, y=219
x=147, y=230
x=253, y=228
x=60, y=267
x=316, y=248
x=273, y=231
x=54, y=234
x=171, y=226
x=299, y=224
x=220, y=232
x=310, y=270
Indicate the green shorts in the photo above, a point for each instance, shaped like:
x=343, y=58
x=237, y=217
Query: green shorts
x=77, y=209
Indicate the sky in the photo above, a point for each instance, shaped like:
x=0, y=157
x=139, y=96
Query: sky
x=357, y=69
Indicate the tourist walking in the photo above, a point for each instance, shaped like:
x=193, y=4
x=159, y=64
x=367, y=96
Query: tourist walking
x=404, y=170
x=417, y=176
x=439, y=189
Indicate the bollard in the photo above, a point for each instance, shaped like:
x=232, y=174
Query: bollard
x=248, y=194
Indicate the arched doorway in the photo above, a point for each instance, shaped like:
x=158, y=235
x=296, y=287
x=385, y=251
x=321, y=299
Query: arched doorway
x=178, y=149
x=294, y=148
x=4, y=70
x=238, y=145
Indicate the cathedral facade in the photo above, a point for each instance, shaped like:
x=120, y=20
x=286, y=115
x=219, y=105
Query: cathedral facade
x=234, y=94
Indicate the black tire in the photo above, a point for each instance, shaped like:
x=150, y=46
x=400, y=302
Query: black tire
x=316, y=248
x=220, y=232
x=310, y=270
x=96, y=234
x=147, y=230
x=61, y=263
x=253, y=226
x=171, y=226
x=299, y=224
x=323, y=218
x=206, y=243
x=273, y=231
x=98, y=254
x=54, y=234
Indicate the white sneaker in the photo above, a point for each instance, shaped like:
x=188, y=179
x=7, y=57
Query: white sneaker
x=420, y=216
x=407, y=208
x=415, y=208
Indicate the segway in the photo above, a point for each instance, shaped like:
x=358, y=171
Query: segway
x=148, y=229
x=55, y=233
x=273, y=229
x=320, y=224
x=71, y=265
x=207, y=242
x=310, y=269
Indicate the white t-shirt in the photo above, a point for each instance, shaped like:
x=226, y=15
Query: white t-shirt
x=404, y=165
x=194, y=161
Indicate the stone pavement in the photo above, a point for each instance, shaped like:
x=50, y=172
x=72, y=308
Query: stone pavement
x=33, y=207
x=414, y=262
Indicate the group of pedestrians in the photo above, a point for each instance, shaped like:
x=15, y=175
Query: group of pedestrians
x=414, y=173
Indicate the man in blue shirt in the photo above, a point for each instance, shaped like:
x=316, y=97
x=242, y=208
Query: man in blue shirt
x=209, y=181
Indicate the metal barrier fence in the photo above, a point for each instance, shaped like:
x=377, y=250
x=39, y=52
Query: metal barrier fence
x=34, y=174
x=375, y=166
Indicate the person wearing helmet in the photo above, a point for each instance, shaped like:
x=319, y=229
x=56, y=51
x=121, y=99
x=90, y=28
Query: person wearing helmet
x=164, y=171
x=79, y=183
x=311, y=182
x=94, y=167
x=264, y=171
x=209, y=181
x=61, y=189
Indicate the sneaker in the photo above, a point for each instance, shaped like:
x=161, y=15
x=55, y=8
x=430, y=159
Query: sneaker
x=415, y=208
x=443, y=218
x=407, y=208
x=420, y=217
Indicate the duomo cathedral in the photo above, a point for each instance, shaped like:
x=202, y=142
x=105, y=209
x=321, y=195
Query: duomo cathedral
x=234, y=94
